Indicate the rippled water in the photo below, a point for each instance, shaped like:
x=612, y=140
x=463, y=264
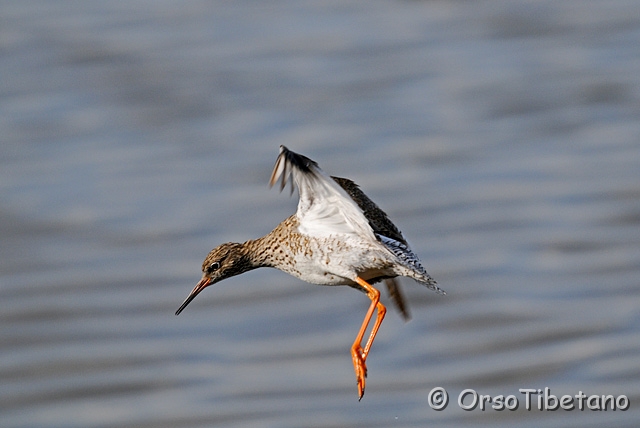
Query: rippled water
x=501, y=136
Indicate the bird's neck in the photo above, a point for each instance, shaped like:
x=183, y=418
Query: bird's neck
x=254, y=253
x=264, y=251
x=261, y=252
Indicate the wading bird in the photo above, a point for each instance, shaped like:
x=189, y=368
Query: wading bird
x=338, y=236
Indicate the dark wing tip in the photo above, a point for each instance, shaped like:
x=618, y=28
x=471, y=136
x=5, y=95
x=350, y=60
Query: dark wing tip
x=297, y=160
x=286, y=162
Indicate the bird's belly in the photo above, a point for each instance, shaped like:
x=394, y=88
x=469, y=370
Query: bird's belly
x=323, y=278
x=340, y=263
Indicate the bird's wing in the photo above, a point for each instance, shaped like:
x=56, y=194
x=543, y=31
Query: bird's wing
x=382, y=226
x=378, y=219
x=324, y=207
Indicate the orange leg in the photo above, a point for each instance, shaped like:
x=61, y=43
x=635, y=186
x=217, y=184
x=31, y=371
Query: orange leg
x=358, y=354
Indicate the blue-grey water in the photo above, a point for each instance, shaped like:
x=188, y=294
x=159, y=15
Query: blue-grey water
x=502, y=137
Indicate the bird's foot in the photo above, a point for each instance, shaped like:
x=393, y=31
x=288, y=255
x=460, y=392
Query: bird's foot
x=360, y=368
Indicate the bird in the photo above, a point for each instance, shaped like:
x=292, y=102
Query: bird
x=338, y=236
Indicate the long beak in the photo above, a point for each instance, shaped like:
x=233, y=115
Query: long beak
x=204, y=282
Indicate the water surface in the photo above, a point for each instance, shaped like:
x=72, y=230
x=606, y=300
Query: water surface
x=501, y=136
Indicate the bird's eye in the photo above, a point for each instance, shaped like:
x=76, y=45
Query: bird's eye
x=213, y=266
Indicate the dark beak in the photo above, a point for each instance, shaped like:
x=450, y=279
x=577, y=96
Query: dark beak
x=204, y=282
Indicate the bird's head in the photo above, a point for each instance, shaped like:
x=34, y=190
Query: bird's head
x=222, y=262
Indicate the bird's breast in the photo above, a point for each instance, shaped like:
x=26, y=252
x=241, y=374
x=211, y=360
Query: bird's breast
x=335, y=260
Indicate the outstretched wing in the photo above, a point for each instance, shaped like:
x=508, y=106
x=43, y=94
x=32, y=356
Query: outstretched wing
x=382, y=226
x=390, y=236
x=324, y=207
x=378, y=219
